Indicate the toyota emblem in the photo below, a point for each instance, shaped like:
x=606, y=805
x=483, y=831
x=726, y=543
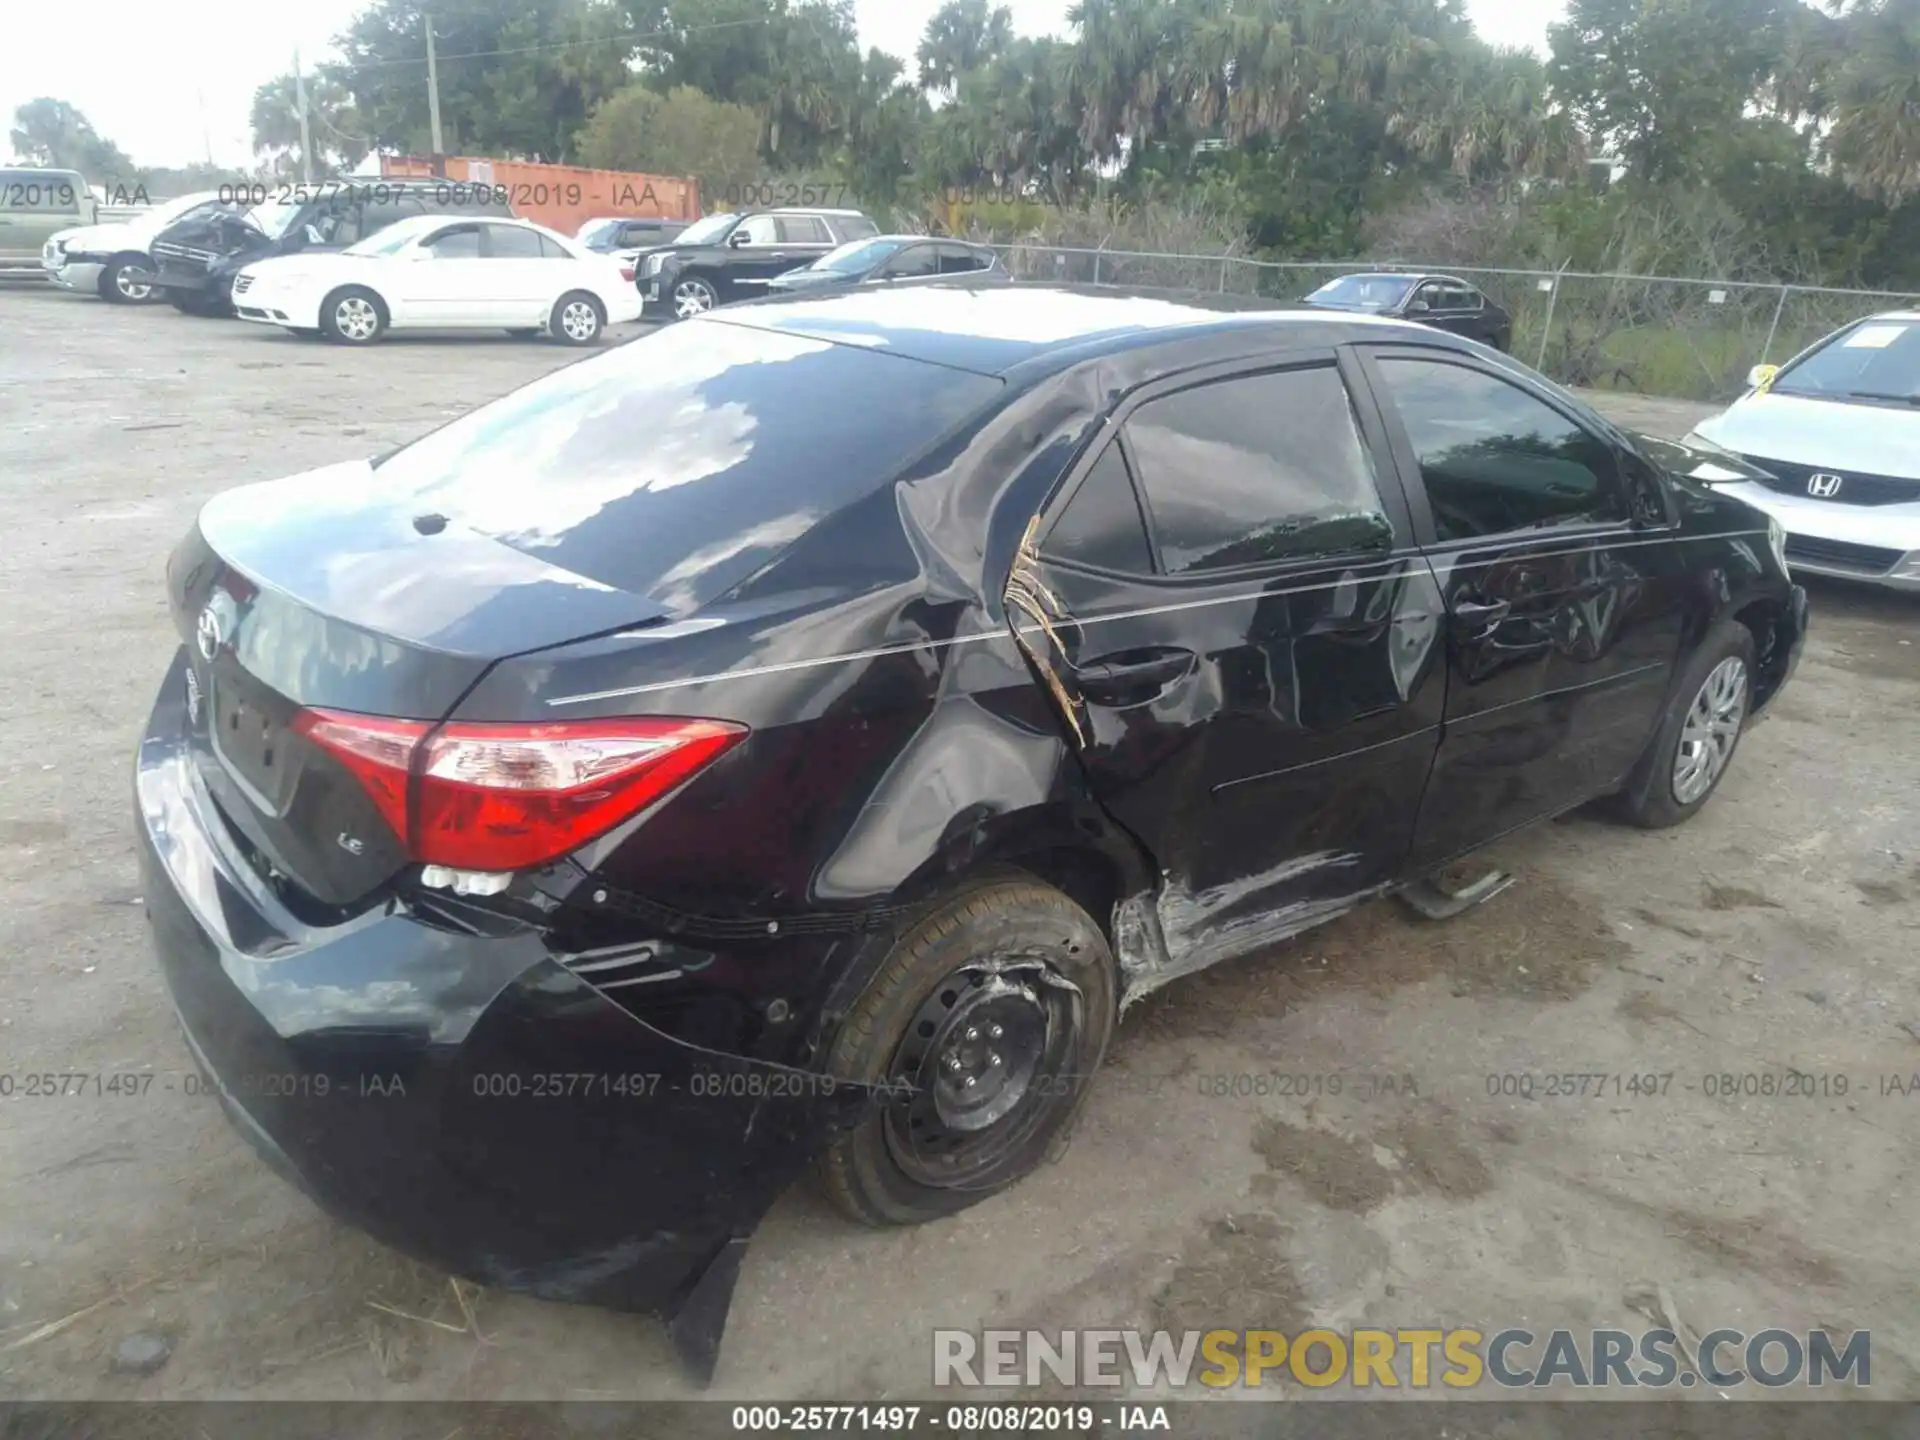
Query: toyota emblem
x=1825, y=486
x=215, y=625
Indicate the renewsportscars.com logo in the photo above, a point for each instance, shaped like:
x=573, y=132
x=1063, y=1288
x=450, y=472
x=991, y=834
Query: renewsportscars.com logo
x=1459, y=1359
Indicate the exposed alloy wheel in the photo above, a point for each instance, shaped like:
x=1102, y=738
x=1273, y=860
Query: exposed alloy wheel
x=126, y=282
x=353, y=315
x=693, y=296
x=577, y=319
x=981, y=1029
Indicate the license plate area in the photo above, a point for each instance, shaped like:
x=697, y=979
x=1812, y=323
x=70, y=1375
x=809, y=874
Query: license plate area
x=253, y=743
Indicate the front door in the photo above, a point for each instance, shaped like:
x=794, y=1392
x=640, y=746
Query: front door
x=756, y=253
x=1563, y=591
x=440, y=281
x=1227, y=605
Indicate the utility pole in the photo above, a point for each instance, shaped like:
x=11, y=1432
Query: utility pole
x=306, y=132
x=433, y=92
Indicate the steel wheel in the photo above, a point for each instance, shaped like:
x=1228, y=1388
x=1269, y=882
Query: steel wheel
x=693, y=297
x=1711, y=730
x=579, y=321
x=980, y=1064
x=356, y=319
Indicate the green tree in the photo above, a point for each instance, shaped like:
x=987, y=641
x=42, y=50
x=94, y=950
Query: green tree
x=335, y=126
x=962, y=36
x=517, y=77
x=1874, y=96
x=1663, y=84
x=52, y=132
x=680, y=133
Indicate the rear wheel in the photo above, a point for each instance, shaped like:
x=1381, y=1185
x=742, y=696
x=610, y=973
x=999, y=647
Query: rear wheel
x=126, y=281
x=985, y=1023
x=1698, y=734
x=353, y=315
x=577, y=319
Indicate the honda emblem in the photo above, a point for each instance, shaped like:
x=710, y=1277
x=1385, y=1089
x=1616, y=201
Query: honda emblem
x=1825, y=486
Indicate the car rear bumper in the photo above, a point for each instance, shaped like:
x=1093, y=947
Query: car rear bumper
x=1877, y=544
x=465, y=1098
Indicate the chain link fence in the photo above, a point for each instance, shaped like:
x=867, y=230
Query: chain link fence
x=1655, y=335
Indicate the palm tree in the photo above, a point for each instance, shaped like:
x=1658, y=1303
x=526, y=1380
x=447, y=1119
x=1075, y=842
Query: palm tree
x=1874, y=100
x=962, y=36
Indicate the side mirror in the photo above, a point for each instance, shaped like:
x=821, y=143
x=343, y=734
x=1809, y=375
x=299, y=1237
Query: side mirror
x=1419, y=307
x=1761, y=376
x=738, y=239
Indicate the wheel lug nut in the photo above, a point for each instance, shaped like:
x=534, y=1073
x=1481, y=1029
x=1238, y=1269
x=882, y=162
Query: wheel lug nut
x=992, y=1059
x=973, y=1032
x=953, y=1062
x=971, y=1081
x=994, y=1032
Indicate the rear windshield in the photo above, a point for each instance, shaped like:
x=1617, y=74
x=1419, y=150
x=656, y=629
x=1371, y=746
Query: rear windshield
x=680, y=463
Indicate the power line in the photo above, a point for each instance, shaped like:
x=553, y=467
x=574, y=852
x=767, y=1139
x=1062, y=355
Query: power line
x=630, y=38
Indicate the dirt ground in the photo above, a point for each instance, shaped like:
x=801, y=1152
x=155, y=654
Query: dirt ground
x=1780, y=930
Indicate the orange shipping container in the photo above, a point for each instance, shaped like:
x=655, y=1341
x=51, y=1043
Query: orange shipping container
x=561, y=197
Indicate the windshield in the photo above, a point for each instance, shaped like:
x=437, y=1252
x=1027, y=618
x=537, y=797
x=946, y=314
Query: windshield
x=272, y=218
x=1875, y=360
x=708, y=231
x=384, y=242
x=856, y=256
x=1368, y=292
x=595, y=231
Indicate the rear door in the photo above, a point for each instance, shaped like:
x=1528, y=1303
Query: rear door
x=1563, y=590
x=521, y=281
x=913, y=262
x=1227, y=603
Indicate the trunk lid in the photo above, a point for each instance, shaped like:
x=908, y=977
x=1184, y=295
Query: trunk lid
x=320, y=592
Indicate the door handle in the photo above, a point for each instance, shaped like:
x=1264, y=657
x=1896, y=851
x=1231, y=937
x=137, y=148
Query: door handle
x=1476, y=619
x=1129, y=678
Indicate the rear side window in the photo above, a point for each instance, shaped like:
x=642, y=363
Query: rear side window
x=959, y=260
x=914, y=261
x=1101, y=524
x=1494, y=459
x=551, y=249
x=679, y=464
x=510, y=242
x=1256, y=470
x=460, y=243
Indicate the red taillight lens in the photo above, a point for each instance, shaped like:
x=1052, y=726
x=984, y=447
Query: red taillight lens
x=511, y=797
x=626, y=273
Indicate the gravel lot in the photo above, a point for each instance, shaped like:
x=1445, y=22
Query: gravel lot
x=1779, y=930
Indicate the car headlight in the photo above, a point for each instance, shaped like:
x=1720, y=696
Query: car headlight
x=1777, y=538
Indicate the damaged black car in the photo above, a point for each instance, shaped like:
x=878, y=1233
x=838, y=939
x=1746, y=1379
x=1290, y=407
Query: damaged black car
x=561, y=832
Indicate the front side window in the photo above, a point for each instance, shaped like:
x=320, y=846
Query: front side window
x=913, y=262
x=1496, y=459
x=460, y=243
x=758, y=229
x=1101, y=524
x=1257, y=469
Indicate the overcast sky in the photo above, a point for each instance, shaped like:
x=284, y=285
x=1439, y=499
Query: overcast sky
x=169, y=93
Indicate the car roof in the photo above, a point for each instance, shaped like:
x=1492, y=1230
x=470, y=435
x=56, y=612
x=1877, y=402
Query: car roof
x=990, y=329
x=411, y=223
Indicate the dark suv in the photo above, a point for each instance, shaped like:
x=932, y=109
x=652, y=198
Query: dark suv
x=196, y=260
x=732, y=256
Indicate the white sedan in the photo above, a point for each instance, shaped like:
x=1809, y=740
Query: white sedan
x=439, y=272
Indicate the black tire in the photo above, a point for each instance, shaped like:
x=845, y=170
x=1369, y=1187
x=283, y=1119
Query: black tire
x=188, y=303
x=949, y=982
x=697, y=286
x=118, y=282
x=1655, y=796
x=353, y=315
x=577, y=319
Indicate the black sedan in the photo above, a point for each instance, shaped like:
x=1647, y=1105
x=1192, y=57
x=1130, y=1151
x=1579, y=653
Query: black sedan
x=795, y=735
x=890, y=260
x=1437, y=300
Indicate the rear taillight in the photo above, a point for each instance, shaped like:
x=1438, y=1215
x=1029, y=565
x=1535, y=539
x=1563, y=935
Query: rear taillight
x=511, y=797
x=626, y=273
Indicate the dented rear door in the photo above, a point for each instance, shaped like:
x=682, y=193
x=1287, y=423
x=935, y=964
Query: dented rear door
x=1225, y=605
